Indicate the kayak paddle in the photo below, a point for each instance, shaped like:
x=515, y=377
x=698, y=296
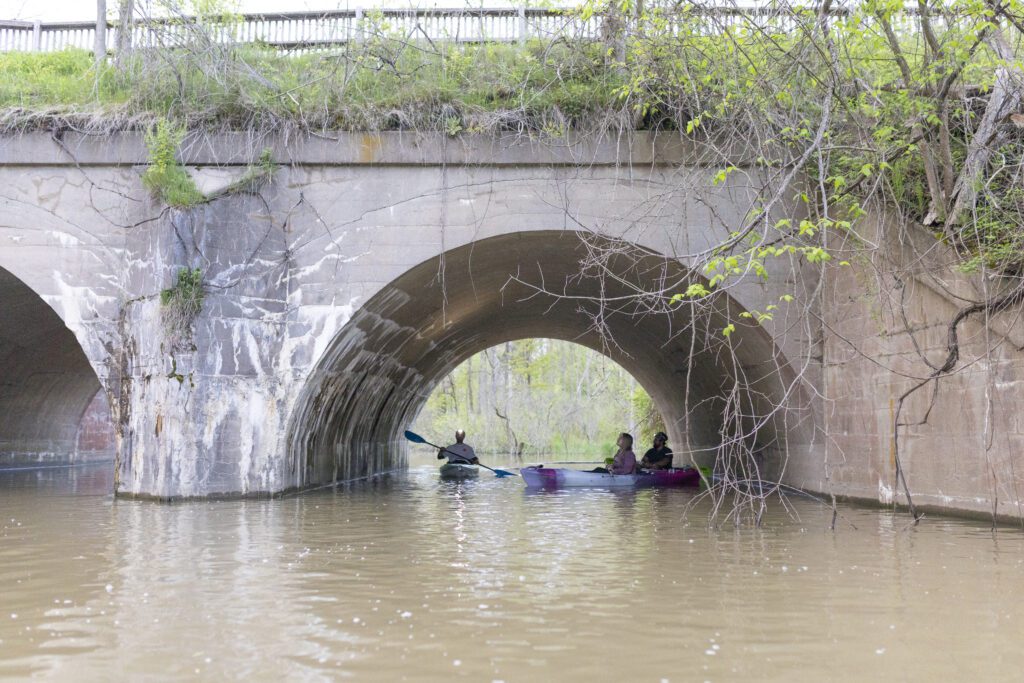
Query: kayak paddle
x=416, y=438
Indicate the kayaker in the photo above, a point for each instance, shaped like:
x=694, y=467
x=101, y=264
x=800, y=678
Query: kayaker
x=659, y=457
x=624, y=461
x=459, y=452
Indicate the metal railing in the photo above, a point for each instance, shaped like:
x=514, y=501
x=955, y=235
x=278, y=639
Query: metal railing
x=312, y=30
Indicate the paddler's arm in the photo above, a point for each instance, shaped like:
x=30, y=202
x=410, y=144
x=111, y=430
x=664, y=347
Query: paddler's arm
x=669, y=455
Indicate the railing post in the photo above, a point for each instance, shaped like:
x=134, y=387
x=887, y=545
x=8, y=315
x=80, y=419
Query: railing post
x=523, y=28
x=37, y=36
x=359, y=24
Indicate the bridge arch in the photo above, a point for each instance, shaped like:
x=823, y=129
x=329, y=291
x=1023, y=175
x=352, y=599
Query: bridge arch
x=378, y=371
x=52, y=406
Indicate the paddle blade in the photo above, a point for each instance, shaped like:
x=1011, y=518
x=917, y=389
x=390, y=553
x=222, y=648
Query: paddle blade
x=503, y=473
x=414, y=437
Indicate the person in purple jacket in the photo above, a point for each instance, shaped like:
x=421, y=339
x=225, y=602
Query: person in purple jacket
x=624, y=461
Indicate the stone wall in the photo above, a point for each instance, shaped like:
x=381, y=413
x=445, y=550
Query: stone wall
x=962, y=448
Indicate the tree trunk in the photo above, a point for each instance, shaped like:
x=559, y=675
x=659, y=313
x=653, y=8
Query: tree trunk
x=1003, y=100
x=125, y=25
x=100, y=46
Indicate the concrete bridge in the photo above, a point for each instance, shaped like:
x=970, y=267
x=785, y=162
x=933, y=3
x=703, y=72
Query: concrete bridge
x=369, y=267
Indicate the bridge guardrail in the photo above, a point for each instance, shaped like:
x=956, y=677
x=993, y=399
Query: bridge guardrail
x=323, y=29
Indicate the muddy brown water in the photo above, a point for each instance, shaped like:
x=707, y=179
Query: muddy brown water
x=410, y=578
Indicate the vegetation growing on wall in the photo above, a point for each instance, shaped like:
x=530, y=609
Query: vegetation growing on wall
x=258, y=173
x=168, y=180
x=171, y=183
x=181, y=304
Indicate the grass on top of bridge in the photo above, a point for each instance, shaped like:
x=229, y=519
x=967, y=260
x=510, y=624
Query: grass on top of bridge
x=384, y=86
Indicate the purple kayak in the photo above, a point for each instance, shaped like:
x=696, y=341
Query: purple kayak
x=556, y=477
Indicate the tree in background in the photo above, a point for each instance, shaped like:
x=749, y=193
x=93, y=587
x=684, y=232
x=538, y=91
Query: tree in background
x=540, y=397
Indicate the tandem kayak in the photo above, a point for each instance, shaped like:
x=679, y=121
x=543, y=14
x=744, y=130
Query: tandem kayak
x=458, y=470
x=556, y=477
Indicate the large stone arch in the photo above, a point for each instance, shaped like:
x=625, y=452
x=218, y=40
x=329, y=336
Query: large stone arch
x=377, y=372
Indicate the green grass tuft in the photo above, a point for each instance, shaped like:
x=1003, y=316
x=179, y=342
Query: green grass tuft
x=181, y=305
x=165, y=177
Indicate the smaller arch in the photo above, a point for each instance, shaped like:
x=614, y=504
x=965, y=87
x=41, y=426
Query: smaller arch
x=47, y=384
x=377, y=373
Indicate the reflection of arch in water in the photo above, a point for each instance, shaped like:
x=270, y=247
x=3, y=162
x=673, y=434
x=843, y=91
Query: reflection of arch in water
x=380, y=368
x=52, y=407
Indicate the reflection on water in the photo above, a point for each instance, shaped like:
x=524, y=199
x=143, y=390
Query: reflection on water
x=408, y=577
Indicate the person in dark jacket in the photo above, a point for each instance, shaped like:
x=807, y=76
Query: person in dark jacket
x=659, y=457
x=459, y=452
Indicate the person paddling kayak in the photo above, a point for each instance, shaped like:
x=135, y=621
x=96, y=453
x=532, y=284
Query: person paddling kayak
x=624, y=461
x=459, y=452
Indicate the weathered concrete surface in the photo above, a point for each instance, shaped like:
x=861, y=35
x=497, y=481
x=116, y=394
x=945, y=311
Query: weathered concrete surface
x=962, y=446
x=342, y=291
x=95, y=438
x=372, y=265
